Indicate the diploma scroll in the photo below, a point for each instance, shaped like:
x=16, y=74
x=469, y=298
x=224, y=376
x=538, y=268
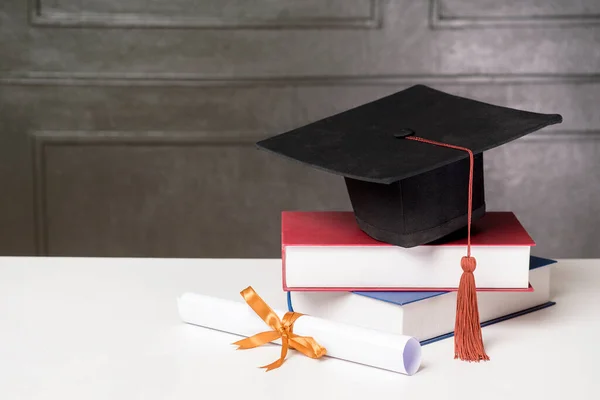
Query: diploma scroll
x=397, y=353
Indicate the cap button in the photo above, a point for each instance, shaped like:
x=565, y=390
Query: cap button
x=404, y=132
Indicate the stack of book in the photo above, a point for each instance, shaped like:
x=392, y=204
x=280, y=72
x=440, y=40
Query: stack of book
x=331, y=269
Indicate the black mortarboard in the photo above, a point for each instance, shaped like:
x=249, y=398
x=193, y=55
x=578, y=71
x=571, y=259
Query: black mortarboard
x=404, y=192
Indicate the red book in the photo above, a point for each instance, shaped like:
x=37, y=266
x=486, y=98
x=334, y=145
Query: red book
x=328, y=251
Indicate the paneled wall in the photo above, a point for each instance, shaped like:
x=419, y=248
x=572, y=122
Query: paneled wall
x=127, y=128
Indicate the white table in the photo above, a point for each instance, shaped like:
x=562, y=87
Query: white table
x=108, y=329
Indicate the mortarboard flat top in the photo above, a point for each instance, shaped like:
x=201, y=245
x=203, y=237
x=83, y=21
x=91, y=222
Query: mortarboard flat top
x=361, y=143
x=405, y=192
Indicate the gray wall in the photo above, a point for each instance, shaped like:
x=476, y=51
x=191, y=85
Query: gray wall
x=127, y=127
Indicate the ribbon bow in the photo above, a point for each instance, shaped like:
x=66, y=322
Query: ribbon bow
x=282, y=328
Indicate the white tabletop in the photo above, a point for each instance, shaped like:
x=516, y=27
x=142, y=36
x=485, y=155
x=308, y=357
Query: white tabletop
x=108, y=329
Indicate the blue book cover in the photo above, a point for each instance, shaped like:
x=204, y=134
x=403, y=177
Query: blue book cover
x=403, y=298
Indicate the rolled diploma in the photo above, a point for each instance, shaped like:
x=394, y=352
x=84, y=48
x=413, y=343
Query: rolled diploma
x=397, y=353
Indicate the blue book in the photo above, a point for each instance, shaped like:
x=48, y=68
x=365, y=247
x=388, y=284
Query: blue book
x=427, y=316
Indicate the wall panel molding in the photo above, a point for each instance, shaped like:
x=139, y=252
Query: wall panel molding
x=199, y=80
x=42, y=140
x=44, y=17
x=440, y=21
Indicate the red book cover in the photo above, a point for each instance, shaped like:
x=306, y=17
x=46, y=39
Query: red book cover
x=339, y=228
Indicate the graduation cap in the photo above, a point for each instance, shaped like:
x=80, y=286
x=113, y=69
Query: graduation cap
x=413, y=167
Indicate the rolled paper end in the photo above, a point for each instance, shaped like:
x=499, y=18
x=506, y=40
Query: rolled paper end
x=412, y=356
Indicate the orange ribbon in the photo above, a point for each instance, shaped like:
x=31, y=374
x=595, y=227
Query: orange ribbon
x=281, y=329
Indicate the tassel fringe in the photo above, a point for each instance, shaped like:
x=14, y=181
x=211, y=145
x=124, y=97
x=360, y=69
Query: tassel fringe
x=468, y=341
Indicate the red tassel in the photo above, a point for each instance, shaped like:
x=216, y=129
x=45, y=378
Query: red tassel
x=468, y=342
